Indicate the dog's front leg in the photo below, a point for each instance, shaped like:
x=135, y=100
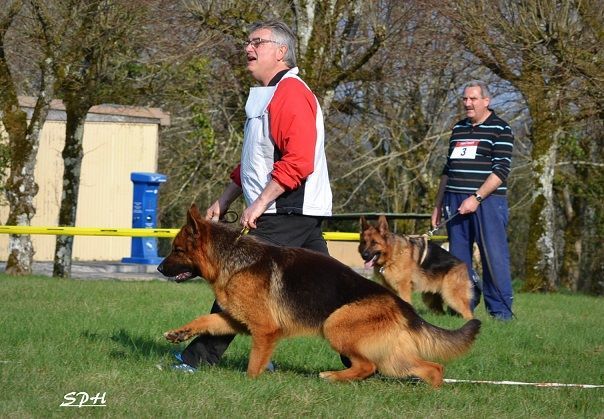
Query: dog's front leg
x=263, y=346
x=404, y=290
x=213, y=324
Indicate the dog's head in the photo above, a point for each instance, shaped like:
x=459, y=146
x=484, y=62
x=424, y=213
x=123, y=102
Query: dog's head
x=184, y=259
x=373, y=245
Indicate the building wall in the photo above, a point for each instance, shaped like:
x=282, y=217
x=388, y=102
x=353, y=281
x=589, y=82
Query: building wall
x=118, y=140
x=346, y=252
x=112, y=150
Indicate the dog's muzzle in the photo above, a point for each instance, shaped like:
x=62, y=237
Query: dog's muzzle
x=175, y=274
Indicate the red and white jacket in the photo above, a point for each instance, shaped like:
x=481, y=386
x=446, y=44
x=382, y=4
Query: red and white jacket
x=284, y=141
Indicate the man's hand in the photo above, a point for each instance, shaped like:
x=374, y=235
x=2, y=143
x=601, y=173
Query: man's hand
x=469, y=205
x=214, y=212
x=217, y=210
x=436, y=216
x=264, y=200
x=251, y=214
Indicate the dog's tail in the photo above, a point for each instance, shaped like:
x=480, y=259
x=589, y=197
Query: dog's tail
x=437, y=343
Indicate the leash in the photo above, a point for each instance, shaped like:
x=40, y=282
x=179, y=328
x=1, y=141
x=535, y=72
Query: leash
x=231, y=217
x=243, y=231
x=431, y=232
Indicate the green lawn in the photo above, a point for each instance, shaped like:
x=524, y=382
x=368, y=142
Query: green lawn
x=62, y=336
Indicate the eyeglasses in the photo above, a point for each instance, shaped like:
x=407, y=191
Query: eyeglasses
x=256, y=42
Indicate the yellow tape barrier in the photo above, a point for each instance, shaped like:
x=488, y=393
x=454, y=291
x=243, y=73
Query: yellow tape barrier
x=130, y=232
x=85, y=231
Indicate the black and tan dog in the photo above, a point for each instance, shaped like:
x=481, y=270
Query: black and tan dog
x=407, y=263
x=273, y=292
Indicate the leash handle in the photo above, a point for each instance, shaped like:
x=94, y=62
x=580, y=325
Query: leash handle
x=431, y=232
x=229, y=217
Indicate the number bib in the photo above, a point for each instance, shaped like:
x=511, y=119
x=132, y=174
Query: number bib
x=465, y=150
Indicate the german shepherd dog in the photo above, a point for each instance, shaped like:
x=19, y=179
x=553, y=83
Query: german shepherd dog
x=272, y=293
x=404, y=263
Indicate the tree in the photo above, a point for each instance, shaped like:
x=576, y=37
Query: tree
x=97, y=43
x=23, y=135
x=392, y=124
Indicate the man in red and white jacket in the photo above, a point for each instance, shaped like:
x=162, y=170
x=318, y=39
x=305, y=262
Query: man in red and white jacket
x=283, y=170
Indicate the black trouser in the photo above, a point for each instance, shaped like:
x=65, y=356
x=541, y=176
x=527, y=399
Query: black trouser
x=278, y=229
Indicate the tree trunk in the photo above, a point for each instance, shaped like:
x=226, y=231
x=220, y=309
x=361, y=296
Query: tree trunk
x=72, y=163
x=20, y=189
x=541, y=256
x=24, y=140
x=571, y=257
x=592, y=262
x=591, y=276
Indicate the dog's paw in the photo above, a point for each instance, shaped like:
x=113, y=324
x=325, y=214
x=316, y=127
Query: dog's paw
x=177, y=335
x=328, y=375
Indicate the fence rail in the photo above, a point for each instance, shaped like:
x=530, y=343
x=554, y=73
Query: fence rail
x=171, y=232
x=131, y=232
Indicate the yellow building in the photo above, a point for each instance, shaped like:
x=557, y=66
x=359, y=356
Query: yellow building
x=118, y=140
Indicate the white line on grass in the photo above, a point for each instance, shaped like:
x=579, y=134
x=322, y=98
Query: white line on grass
x=519, y=383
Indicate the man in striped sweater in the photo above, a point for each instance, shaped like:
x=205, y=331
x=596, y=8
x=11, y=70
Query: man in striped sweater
x=474, y=183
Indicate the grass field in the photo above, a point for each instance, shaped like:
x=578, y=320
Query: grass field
x=62, y=336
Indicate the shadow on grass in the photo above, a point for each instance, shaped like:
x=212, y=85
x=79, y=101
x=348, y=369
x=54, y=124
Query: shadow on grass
x=240, y=363
x=132, y=346
x=144, y=347
x=139, y=347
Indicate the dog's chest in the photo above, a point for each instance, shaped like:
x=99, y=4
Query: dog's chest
x=393, y=273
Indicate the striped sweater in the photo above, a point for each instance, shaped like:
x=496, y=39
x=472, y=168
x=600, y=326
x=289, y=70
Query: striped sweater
x=477, y=151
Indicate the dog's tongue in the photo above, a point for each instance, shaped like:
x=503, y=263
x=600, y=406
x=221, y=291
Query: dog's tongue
x=183, y=276
x=369, y=264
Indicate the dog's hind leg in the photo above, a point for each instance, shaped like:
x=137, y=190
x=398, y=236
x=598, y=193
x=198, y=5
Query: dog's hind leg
x=457, y=291
x=431, y=372
x=434, y=302
x=361, y=368
x=462, y=307
x=361, y=331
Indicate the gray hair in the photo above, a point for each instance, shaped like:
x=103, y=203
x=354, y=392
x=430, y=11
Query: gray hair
x=484, y=90
x=282, y=34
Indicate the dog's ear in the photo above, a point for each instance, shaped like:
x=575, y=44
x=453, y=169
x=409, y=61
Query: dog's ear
x=194, y=219
x=383, y=224
x=363, y=223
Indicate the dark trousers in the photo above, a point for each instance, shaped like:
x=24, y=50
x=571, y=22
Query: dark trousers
x=487, y=227
x=278, y=229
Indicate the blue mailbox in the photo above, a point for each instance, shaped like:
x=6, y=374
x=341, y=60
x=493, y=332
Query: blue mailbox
x=144, y=215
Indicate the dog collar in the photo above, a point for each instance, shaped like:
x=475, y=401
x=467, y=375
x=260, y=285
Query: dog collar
x=425, y=252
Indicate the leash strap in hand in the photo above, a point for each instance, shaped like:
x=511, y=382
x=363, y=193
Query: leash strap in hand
x=431, y=232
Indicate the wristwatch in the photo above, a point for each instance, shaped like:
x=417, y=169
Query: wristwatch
x=478, y=197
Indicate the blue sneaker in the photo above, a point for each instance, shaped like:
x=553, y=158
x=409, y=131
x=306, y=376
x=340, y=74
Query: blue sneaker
x=271, y=367
x=502, y=317
x=183, y=368
x=178, y=356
